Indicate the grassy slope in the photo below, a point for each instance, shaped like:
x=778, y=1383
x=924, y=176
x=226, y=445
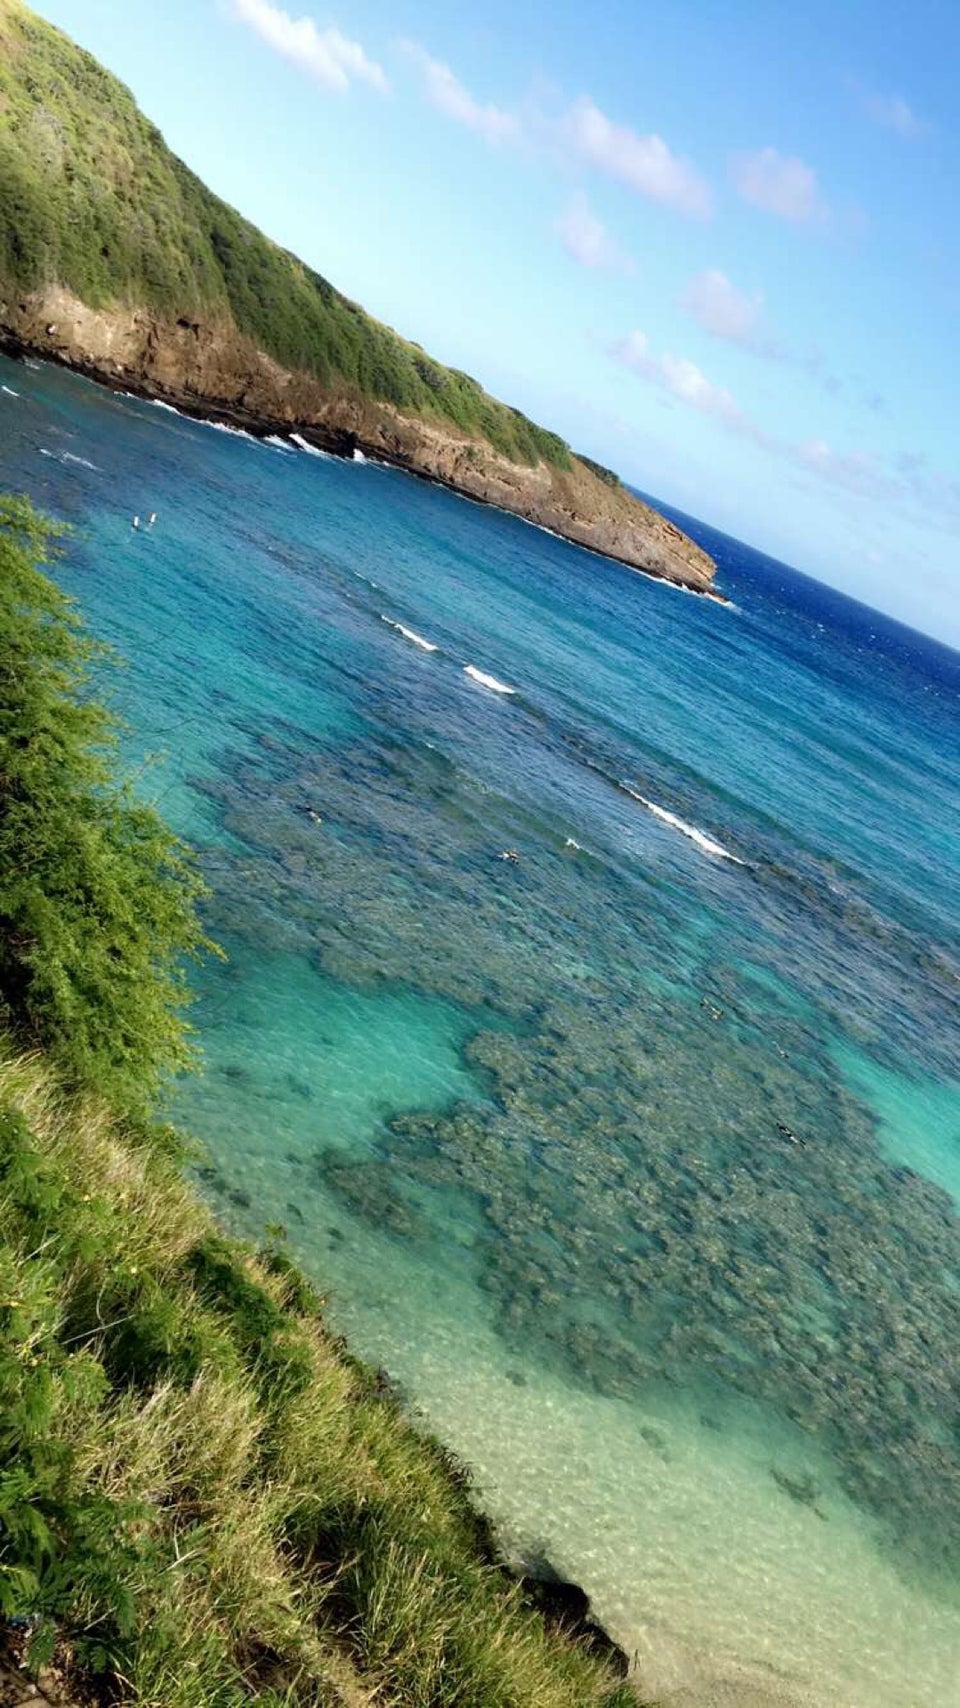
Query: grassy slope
x=199, y=1491
x=202, y=1497
x=91, y=198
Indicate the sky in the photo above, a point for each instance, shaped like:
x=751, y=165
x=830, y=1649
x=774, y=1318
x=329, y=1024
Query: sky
x=714, y=243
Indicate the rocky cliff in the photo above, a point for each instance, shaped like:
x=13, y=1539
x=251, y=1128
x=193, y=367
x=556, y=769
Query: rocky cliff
x=207, y=367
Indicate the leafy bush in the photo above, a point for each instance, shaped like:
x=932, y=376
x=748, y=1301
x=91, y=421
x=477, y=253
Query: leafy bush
x=201, y=1494
x=97, y=898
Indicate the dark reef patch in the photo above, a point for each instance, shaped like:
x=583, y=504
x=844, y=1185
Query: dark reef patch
x=663, y=1193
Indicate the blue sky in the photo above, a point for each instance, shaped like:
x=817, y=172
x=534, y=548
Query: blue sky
x=714, y=244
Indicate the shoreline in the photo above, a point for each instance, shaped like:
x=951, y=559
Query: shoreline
x=334, y=440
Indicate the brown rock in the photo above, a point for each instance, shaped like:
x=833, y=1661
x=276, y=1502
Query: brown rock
x=211, y=370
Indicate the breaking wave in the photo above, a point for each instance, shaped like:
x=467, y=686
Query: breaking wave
x=708, y=843
x=235, y=432
x=409, y=634
x=68, y=457
x=485, y=681
x=311, y=450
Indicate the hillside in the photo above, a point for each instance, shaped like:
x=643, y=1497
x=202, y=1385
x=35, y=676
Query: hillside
x=115, y=258
x=204, y=1500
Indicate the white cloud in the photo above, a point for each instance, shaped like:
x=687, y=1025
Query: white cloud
x=893, y=113
x=583, y=133
x=780, y=184
x=904, y=481
x=587, y=240
x=326, y=55
x=681, y=377
x=451, y=97
x=645, y=163
x=722, y=309
x=853, y=470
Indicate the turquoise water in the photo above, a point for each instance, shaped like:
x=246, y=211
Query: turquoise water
x=636, y=1159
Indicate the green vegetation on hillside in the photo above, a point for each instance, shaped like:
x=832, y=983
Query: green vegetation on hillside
x=92, y=198
x=601, y=471
x=204, y=1501
x=96, y=896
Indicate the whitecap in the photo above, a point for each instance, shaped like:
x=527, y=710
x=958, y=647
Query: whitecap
x=67, y=456
x=486, y=681
x=700, y=837
x=235, y=432
x=311, y=450
x=158, y=403
x=278, y=444
x=409, y=634
x=358, y=455
x=9, y=391
x=570, y=843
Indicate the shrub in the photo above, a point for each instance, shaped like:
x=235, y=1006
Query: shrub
x=97, y=898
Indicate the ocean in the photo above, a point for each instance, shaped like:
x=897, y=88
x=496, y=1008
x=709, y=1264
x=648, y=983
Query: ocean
x=588, y=1022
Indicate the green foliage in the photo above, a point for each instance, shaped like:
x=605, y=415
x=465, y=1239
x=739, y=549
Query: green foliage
x=201, y=1494
x=63, y=1543
x=243, y=1513
x=91, y=198
x=602, y=473
x=97, y=898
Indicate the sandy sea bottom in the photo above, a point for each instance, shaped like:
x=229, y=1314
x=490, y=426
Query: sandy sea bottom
x=713, y=1537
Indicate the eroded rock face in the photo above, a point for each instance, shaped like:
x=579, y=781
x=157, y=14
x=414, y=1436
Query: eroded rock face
x=210, y=369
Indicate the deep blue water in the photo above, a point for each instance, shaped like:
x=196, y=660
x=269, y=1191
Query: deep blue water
x=636, y=1158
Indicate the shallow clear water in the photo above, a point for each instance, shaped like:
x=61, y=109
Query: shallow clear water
x=636, y=1160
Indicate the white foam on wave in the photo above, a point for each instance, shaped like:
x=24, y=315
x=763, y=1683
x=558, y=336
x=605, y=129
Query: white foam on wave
x=278, y=444
x=311, y=450
x=9, y=391
x=358, y=455
x=700, y=837
x=235, y=432
x=158, y=403
x=409, y=634
x=68, y=457
x=485, y=681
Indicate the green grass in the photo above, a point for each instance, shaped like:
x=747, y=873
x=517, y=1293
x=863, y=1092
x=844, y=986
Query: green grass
x=201, y=1495
x=92, y=198
x=204, y=1500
